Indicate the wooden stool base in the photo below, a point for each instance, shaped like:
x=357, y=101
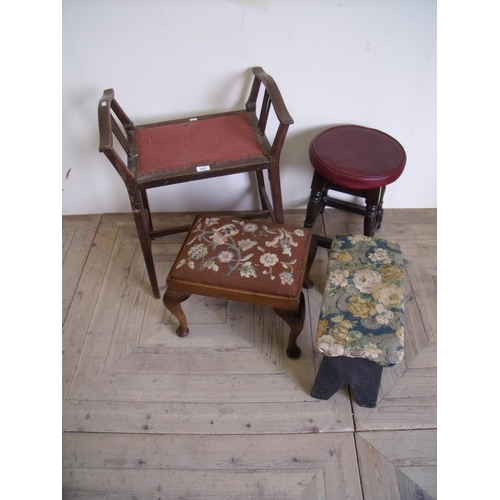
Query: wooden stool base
x=363, y=377
x=293, y=318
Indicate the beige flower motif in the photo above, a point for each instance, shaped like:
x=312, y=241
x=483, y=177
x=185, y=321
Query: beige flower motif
x=322, y=327
x=361, y=309
x=384, y=315
x=248, y=270
x=338, y=319
x=356, y=238
x=381, y=255
x=372, y=351
x=341, y=321
x=222, y=234
x=211, y=221
x=392, y=273
x=250, y=227
x=354, y=352
x=365, y=279
x=339, y=278
x=198, y=251
x=299, y=232
x=286, y=278
x=269, y=259
x=388, y=294
x=343, y=256
x=210, y=264
x=246, y=244
x=341, y=334
x=400, y=334
x=327, y=345
x=225, y=256
x=284, y=240
x=385, y=318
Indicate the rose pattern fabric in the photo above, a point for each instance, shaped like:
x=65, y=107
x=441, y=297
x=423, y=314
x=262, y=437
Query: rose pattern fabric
x=250, y=249
x=362, y=313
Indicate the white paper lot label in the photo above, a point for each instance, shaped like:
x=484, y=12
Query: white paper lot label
x=203, y=168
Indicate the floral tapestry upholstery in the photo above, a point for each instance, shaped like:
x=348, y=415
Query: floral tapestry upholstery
x=244, y=255
x=362, y=309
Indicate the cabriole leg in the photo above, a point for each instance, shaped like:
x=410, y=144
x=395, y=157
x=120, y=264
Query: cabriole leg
x=313, y=248
x=172, y=301
x=295, y=320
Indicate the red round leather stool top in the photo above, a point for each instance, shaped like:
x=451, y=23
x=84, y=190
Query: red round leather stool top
x=357, y=157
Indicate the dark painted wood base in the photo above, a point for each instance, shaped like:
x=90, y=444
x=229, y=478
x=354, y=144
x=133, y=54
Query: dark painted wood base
x=363, y=377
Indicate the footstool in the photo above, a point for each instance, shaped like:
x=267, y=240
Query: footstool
x=249, y=261
x=361, y=327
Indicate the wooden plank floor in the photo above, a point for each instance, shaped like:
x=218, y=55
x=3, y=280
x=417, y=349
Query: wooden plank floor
x=223, y=413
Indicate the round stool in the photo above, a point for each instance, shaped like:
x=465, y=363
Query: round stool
x=355, y=160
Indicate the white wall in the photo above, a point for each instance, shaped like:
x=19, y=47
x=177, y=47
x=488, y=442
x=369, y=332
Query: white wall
x=367, y=62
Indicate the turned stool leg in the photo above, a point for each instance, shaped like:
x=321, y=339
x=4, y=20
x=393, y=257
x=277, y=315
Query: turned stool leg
x=172, y=301
x=373, y=204
x=295, y=320
x=317, y=200
x=380, y=208
x=362, y=375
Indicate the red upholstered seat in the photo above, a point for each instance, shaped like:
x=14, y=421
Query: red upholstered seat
x=155, y=155
x=197, y=141
x=353, y=160
x=357, y=157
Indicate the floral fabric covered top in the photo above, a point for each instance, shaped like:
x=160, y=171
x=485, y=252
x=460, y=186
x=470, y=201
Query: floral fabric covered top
x=247, y=255
x=362, y=308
